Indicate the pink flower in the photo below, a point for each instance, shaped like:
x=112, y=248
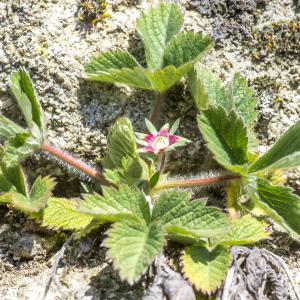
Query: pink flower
x=160, y=141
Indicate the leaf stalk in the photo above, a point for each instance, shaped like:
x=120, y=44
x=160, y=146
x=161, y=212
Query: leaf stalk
x=157, y=108
x=79, y=165
x=195, y=182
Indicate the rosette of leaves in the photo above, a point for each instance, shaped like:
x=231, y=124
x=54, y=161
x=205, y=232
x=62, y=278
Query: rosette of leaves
x=138, y=234
x=20, y=142
x=170, y=54
x=226, y=123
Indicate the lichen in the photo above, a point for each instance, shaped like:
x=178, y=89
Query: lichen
x=232, y=19
x=92, y=11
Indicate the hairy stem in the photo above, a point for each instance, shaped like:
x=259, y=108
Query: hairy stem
x=68, y=159
x=195, y=182
x=157, y=108
x=163, y=159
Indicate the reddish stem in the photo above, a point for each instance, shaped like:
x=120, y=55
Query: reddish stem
x=76, y=164
x=157, y=108
x=195, y=182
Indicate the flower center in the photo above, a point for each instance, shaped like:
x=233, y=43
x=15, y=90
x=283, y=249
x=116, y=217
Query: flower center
x=160, y=143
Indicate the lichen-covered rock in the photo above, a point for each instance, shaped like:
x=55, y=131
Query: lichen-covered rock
x=232, y=19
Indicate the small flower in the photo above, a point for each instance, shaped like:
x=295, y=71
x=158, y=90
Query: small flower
x=160, y=141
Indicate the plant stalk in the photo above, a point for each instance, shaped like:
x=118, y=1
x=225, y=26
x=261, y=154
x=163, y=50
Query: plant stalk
x=195, y=182
x=157, y=108
x=68, y=159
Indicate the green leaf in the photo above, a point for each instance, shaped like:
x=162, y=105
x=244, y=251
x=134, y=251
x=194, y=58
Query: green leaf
x=16, y=177
x=62, y=214
x=5, y=185
x=156, y=28
x=174, y=209
x=114, y=60
x=133, y=246
x=121, y=142
x=284, y=154
x=40, y=193
x=117, y=67
x=164, y=79
x=22, y=88
x=226, y=136
x=244, y=231
x=205, y=269
x=206, y=88
x=279, y=203
x=242, y=99
x=21, y=146
x=9, y=129
x=115, y=205
x=122, y=151
x=186, y=48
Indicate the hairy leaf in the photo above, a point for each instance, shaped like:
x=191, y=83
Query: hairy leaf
x=62, y=214
x=162, y=80
x=21, y=146
x=178, y=214
x=117, y=67
x=22, y=88
x=5, y=185
x=115, y=204
x=242, y=99
x=133, y=246
x=9, y=129
x=186, y=48
x=226, y=136
x=40, y=193
x=16, y=177
x=122, y=150
x=244, y=231
x=279, y=203
x=206, y=88
x=156, y=28
x=205, y=269
x=284, y=154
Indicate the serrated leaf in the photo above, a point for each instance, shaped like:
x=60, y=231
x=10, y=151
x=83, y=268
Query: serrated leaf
x=122, y=152
x=156, y=28
x=9, y=129
x=285, y=153
x=243, y=231
x=121, y=142
x=279, y=203
x=242, y=99
x=174, y=209
x=21, y=146
x=40, y=193
x=61, y=213
x=226, y=137
x=133, y=246
x=22, y=88
x=186, y=48
x=205, y=269
x=117, y=67
x=163, y=79
x=206, y=88
x=115, y=205
x=16, y=177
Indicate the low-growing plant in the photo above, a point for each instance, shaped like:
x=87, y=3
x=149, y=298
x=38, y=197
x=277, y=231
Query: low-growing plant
x=145, y=205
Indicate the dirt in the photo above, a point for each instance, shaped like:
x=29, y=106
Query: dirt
x=48, y=38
